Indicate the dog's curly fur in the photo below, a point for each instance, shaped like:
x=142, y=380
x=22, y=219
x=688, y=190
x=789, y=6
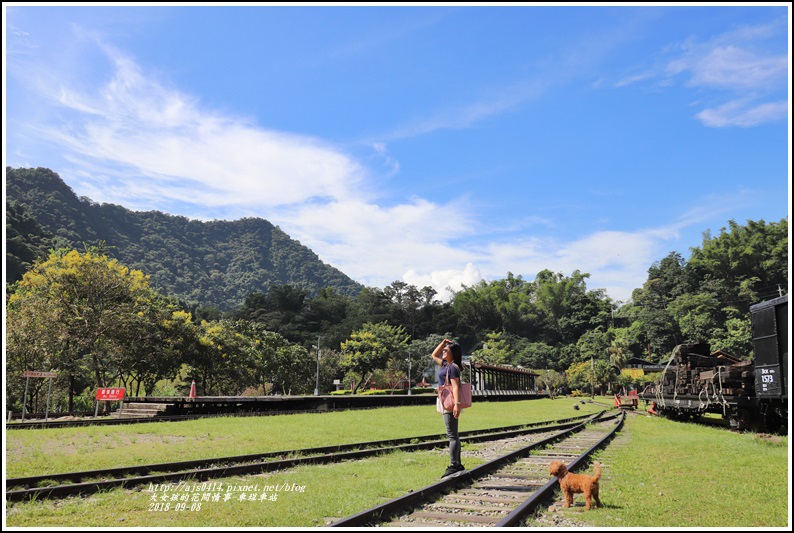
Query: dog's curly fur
x=571, y=484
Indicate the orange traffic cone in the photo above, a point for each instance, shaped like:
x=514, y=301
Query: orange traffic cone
x=193, y=389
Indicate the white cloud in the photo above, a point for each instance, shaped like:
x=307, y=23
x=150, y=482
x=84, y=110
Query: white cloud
x=391, y=164
x=616, y=261
x=467, y=115
x=739, y=113
x=730, y=67
x=735, y=63
x=445, y=282
x=194, y=155
x=634, y=78
x=376, y=244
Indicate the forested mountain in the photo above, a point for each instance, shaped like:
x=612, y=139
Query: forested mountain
x=26, y=241
x=215, y=264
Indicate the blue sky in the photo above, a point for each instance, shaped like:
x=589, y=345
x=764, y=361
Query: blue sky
x=437, y=145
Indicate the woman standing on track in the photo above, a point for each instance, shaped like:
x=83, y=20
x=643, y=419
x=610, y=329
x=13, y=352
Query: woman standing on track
x=449, y=356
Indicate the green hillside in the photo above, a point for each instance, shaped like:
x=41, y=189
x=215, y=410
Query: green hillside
x=215, y=263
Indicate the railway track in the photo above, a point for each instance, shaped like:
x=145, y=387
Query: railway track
x=52, y=486
x=366, y=403
x=53, y=424
x=499, y=493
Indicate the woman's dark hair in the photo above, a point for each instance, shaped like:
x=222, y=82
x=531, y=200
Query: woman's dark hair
x=457, y=354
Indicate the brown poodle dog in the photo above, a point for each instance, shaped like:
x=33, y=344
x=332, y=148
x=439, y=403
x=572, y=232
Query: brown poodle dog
x=571, y=484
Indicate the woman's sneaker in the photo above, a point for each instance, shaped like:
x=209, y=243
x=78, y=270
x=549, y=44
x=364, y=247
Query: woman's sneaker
x=453, y=469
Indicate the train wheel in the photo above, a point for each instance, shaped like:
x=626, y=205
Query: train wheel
x=743, y=419
x=734, y=420
x=679, y=416
x=773, y=422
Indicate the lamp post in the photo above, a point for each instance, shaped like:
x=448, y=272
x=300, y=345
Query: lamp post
x=317, y=382
x=409, y=373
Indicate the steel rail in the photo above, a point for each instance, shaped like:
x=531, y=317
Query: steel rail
x=203, y=470
x=204, y=463
x=530, y=504
x=39, y=424
x=391, y=508
x=54, y=424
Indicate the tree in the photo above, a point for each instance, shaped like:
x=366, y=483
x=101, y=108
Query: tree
x=26, y=241
x=153, y=345
x=552, y=381
x=89, y=299
x=567, y=307
x=330, y=369
x=422, y=366
x=553, y=294
x=280, y=310
x=31, y=346
x=593, y=344
x=495, y=350
x=696, y=315
x=292, y=373
x=375, y=305
x=590, y=375
x=743, y=264
x=369, y=349
x=538, y=355
x=736, y=338
x=652, y=325
x=476, y=310
x=222, y=364
x=619, y=352
x=671, y=277
x=332, y=316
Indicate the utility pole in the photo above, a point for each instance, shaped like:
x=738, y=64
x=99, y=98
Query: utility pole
x=409, y=373
x=592, y=378
x=317, y=382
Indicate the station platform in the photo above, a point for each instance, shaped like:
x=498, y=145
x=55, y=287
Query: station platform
x=202, y=405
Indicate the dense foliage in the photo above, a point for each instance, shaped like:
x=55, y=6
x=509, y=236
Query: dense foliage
x=289, y=338
x=26, y=241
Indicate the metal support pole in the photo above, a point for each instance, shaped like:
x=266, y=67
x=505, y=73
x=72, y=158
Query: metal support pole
x=409, y=373
x=317, y=380
x=47, y=412
x=25, y=400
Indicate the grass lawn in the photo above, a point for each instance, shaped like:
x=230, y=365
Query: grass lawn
x=657, y=473
x=660, y=473
x=45, y=451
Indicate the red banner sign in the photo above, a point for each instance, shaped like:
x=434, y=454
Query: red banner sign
x=114, y=393
x=35, y=374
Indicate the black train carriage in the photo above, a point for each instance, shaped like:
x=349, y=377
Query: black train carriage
x=770, y=340
x=749, y=394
